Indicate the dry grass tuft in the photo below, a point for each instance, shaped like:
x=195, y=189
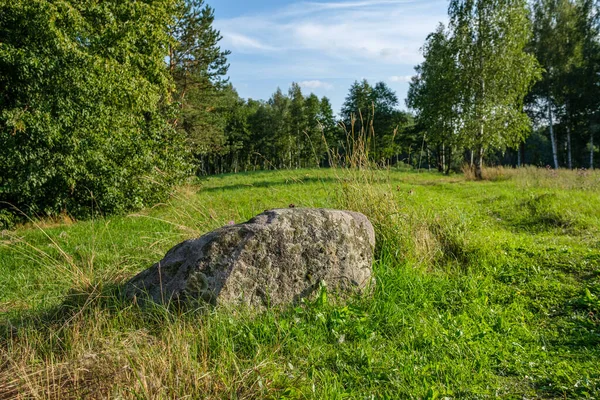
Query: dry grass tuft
x=422, y=238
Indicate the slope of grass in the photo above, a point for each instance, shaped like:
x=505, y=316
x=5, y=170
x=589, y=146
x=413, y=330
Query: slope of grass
x=483, y=289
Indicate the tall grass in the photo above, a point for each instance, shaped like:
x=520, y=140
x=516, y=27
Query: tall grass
x=530, y=176
x=411, y=233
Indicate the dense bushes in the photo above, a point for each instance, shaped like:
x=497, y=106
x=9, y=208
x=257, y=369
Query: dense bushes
x=84, y=106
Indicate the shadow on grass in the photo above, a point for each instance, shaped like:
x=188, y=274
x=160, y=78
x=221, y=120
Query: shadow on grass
x=46, y=350
x=534, y=214
x=270, y=183
x=86, y=304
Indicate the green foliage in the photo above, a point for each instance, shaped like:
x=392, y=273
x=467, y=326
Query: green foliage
x=566, y=43
x=495, y=72
x=288, y=131
x=372, y=110
x=331, y=129
x=434, y=94
x=315, y=149
x=83, y=119
x=198, y=67
x=469, y=92
x=7, y=219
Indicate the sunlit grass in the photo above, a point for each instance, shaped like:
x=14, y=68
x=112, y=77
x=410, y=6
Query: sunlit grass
x=483, y=289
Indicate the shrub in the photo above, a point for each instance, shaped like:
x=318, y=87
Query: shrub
x=84, y=116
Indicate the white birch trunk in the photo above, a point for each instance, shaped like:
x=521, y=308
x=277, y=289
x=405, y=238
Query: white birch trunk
x=552, y=137
x=443, y=157
x=570, y=156
x=591, y=150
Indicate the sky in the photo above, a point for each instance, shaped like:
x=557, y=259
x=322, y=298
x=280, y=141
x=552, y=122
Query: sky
x=324, y=45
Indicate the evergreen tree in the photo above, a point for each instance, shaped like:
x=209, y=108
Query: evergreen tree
x=283, y=141
x=265, y=130
x=314, y=147
x=297, y=125
x=333, y=134
x=357, y=109
x=371, y=111
x=198, y=67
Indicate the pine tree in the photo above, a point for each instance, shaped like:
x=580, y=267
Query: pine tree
x=282, y=137
x=333, y=134
x=314, y=148
x=198, y=67
x=371, y=112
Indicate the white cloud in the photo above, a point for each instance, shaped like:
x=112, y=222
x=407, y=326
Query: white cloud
x=243, y=42
x=376, y=31
x=353, y=4
x=310, y=7
x=316, y=84
x=336, y=42
x=401, y=78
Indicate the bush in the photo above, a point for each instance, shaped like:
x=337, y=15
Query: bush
x=7, y=219
x=84, y=116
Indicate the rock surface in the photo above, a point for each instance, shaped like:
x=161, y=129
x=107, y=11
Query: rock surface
x=276, y=258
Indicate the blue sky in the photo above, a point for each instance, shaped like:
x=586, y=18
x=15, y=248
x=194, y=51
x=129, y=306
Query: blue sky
x=324, y=45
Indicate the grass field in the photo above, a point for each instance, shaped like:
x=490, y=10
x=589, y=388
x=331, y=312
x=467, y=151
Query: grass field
x=484, y=289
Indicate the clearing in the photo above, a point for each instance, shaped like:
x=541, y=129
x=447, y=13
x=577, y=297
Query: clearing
x=483, y=289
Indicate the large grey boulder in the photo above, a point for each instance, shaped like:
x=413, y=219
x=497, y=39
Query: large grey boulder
x=276, y=258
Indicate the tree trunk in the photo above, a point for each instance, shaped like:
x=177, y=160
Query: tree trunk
x=479, y=156
x=290, y=151
x=171, y=59
x=479, y=164
x=569, y=155
x=443, y=157
x=449, y=160
x=569, y=147
x=519, y=156
x=591, y=150
x=552, y=137
x=428, y=159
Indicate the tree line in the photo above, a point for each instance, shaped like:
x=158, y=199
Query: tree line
x=297, y=130
x=508, y=81
x=105, y=106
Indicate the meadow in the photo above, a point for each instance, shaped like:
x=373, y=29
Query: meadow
x=484, y=289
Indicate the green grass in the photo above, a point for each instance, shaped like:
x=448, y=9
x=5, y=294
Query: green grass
x=484, y=289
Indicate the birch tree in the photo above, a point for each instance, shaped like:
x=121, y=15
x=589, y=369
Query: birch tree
x=198, y=67
x=495, y=72
x=557, y=44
